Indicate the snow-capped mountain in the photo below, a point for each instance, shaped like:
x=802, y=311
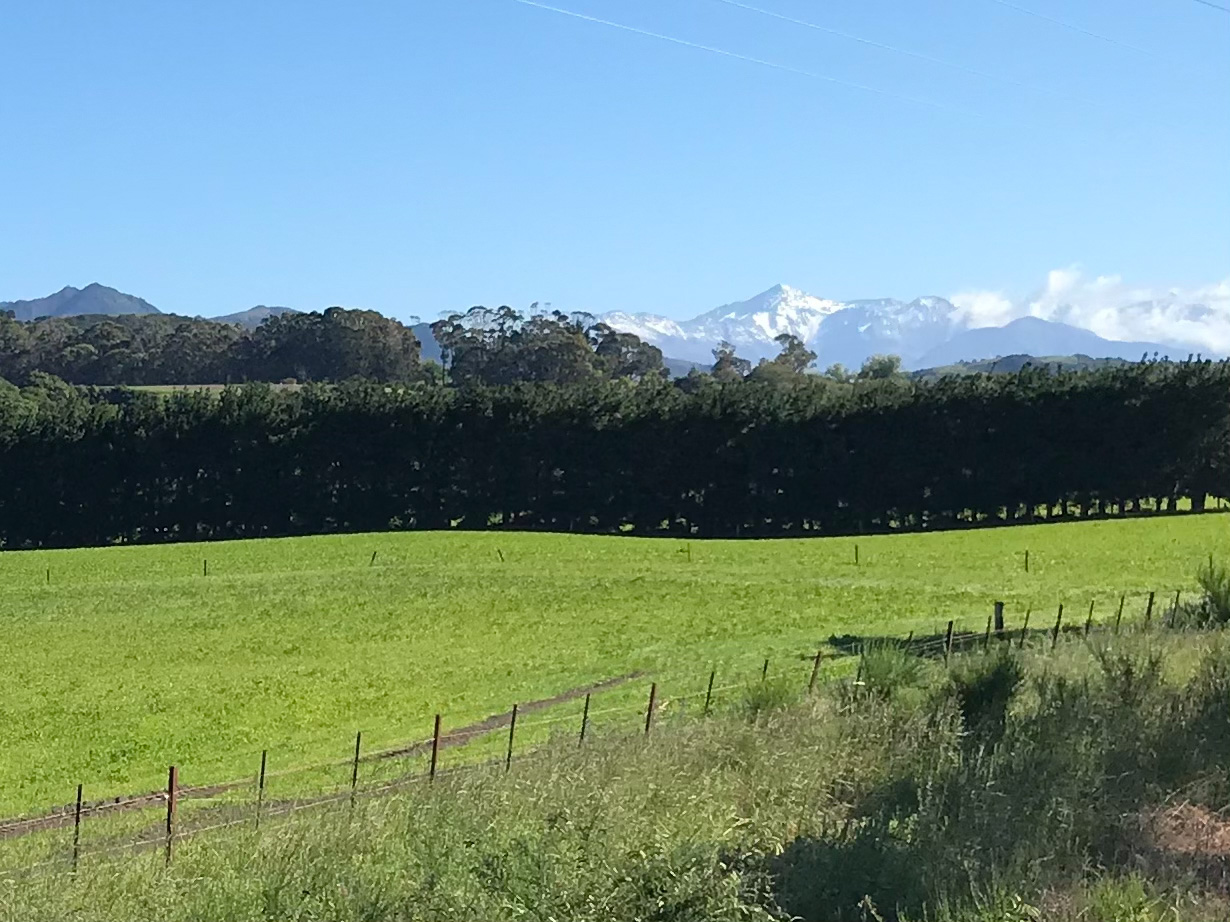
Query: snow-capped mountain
x=749, y=325
x=884, y=326
x=845, y=332
x=849, y=332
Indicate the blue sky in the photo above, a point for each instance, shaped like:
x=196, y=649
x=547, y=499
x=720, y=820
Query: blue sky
x=419, y=157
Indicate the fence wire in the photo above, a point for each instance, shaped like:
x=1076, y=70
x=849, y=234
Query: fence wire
x=122, y=824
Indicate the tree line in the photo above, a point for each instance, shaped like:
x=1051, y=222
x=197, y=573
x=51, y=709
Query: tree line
x=482, y=346
x=754, y=452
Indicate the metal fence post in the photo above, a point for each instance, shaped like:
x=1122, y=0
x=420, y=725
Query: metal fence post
x=77, y=830
x=653, y=694
x=584, y=719
x=354, y=768
x=435, y=750
x=512, y=729
x=172, y=798
x=260, y=787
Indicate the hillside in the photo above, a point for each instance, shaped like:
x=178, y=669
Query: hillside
x=1037, y=337
x=253, y=316
x=293, y=644
x=1010, y=364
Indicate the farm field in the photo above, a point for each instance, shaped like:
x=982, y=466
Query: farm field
x=119, y=661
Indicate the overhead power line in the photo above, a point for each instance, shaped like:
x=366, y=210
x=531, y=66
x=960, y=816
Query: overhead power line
x=1072, y=28
x=748, y=58
x=892, y=48
x=1216, y=6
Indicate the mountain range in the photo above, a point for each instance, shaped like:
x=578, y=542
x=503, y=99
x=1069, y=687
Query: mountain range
x=927, y=332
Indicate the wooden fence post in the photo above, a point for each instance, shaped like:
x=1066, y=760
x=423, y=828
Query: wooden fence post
x=260, y=787
x=709, y=692
x=986, y=638
x=653, y=695
x=1119, y=614
x=512, y=730
x=1174, y=612
x=1055, y=632
x=584, y=720
x=948, y=644
x=815, y=671
x=204, y=567
x=172, y=798
x=856, y=555
x=354, y=769
x=373, y=560
x=1026, y=560
x=1149, y=610
x=764, y=673
x=999, y=619
x=1025, y=628
x=77, y=830
x=435, y=750
x=1089, y=617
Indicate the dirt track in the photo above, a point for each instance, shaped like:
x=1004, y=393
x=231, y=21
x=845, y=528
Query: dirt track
x=62, y=816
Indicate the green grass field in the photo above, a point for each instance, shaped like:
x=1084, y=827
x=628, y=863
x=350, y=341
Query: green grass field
x=130, y=658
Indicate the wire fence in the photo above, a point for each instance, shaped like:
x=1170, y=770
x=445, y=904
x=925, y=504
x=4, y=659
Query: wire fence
x=65, y=836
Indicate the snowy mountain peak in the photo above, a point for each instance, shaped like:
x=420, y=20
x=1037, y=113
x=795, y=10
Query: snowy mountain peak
x=752, y=326
x=848, y=332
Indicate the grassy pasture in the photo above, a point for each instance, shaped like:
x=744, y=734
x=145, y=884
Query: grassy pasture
x=130, y=658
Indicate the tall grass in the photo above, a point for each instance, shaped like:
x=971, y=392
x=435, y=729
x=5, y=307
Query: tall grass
x=1008, y=789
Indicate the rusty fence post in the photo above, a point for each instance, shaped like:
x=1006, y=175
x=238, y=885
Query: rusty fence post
x=709, y=692
x=512, y=730
x=764, y=673
x=1025, y=628
x=1055, y=631
x=1089, y=618
x=1119, y=614
x=1149, y=610
x=948, y=644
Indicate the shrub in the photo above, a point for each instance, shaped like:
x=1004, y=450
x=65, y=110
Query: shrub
x=1212, y=608
x=888, y=668
x=770, y=695
x=983, y=689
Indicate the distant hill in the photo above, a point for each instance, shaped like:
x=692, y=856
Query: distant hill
x=1032, y=336
x=253, y=316
x=1011, y=364
x=70, y=302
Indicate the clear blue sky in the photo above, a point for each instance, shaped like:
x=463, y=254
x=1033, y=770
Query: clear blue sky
x=418, y=157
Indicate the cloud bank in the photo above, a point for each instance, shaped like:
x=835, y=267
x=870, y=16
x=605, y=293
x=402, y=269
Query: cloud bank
x=1197, y=319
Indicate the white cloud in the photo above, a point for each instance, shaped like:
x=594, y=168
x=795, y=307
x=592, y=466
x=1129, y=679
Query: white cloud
x=1192, y=318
